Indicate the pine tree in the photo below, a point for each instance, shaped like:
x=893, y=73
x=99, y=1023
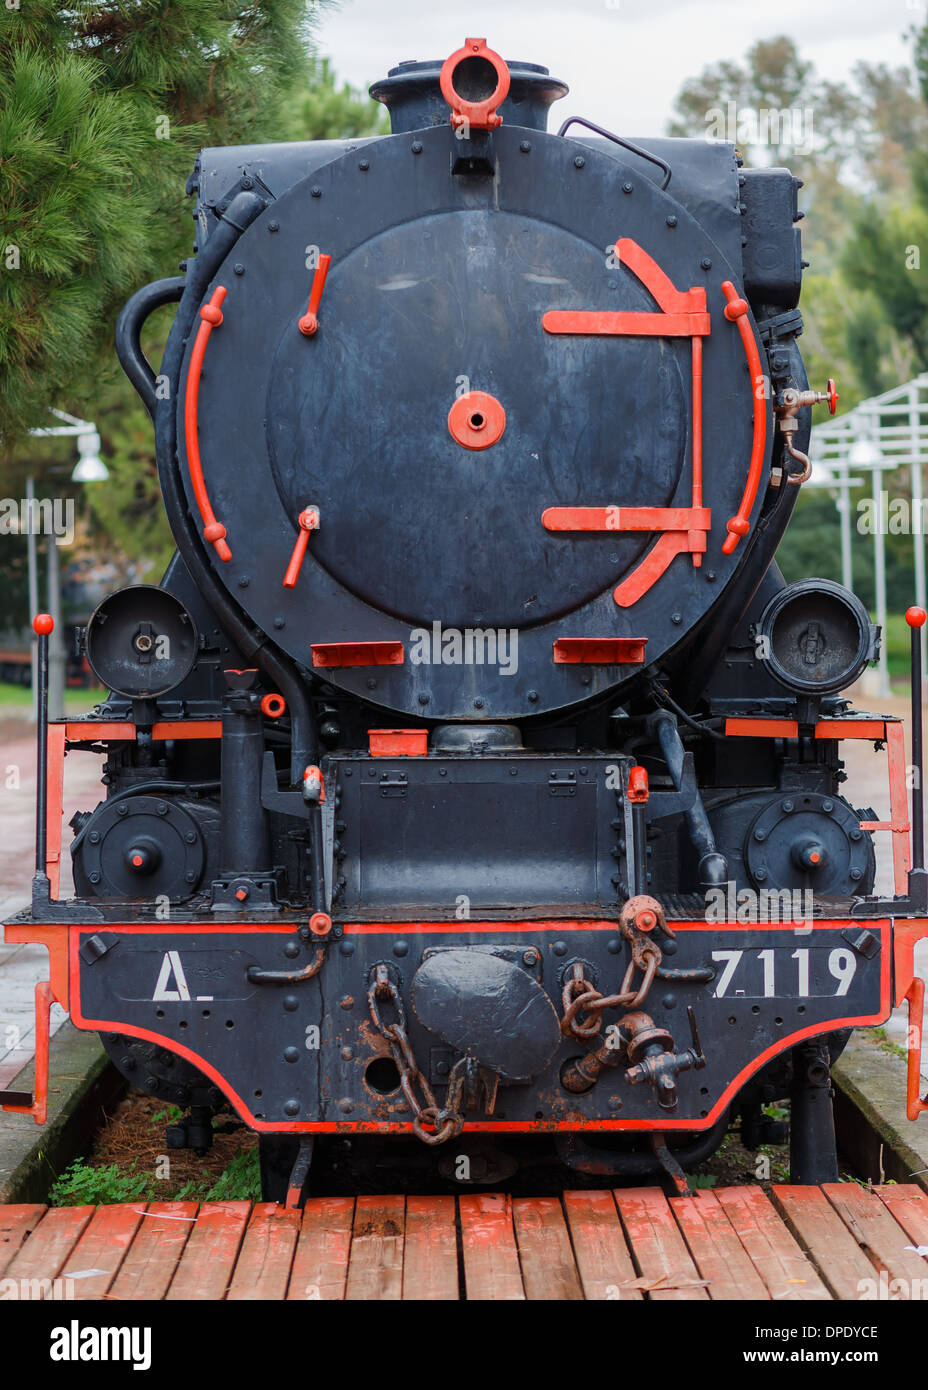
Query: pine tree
x=102, y=109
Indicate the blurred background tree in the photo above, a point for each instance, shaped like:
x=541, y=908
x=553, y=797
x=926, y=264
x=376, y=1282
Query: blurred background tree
x=862, y=151
x=103, y=107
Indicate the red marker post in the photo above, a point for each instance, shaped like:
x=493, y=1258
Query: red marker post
x=43, y=624
x=918, y=887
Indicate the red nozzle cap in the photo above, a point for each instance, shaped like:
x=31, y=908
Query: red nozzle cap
x=43, y=624
x=320, y=924
x=831, y=391
x=915, y=617
x=638, y=784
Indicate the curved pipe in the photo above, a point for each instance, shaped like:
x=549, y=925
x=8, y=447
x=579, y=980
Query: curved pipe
x=576, y=1153
x=129, y=335
x=254, y=646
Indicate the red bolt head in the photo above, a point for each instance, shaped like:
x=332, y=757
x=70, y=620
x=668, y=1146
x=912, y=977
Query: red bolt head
x=915, y=617
x=43, y=624
x=241, y=894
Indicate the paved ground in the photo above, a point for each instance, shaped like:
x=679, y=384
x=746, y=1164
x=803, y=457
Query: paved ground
x=22, y=966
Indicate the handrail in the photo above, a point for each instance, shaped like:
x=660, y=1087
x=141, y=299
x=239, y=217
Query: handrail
x=210, y=318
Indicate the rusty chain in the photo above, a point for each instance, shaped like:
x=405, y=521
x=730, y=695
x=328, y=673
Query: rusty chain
x=639, y=917
x=445, y=1122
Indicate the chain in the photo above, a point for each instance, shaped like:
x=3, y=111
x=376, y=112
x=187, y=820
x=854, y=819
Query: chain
x=443, y=1123
x=579, y=996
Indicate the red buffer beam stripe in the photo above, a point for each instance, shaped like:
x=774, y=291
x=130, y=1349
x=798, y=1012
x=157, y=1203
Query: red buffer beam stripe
x=210, y=318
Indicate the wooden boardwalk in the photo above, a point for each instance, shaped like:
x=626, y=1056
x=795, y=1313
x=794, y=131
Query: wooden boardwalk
x=629, y=1244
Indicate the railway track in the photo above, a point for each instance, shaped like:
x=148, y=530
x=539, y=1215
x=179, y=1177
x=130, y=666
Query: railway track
x=797, y=1244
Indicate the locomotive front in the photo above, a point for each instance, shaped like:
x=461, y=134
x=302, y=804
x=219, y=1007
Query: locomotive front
x=473, y=771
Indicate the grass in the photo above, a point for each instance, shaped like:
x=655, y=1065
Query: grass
x=17, y=699
x=885, y=1044
x=83, y=1185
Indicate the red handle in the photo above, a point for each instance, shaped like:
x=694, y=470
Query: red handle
x=736, y=312
x=310, y=320
x=210, y=318
x=309, y=521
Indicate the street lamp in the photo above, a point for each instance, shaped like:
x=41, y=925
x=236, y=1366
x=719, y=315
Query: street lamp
x=90, y=468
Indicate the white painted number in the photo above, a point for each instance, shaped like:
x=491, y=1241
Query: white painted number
x=802, y=955
x=842, y=964
x=767, y=958
x=731, y=958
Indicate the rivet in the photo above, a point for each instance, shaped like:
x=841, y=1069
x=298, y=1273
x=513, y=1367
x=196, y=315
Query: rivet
x=346, y=1106
x=424, y=698
x=364, y=165
x=626, y=188
x=94, y=877
x=529, y=957
x=857, y=874
x=316, y=191
x=671, y=221
x=614, y=1103
x=613, y=946
x=346, y=1054
x=162, y=808
x=291, y=1054
x=244, y=582
x=190, y=876
x=828, y=805
x=191, y=837
x=560, y=948
x=273, y=226
x=669, y=1001
x=292, y=1107
x=760, y=836
x=292, y=949
x=279, y=623
x=533, y=696
x=291, y=1003
x=94, y=837
x=524, y=146
x=478, y=703
x=347, y=947
x=787, y=806
x=371, y=683
x=676, y=618
x=238, y=268
x=400, y=948
x=416, y=147
x=579, y=162
x=706, y=263
x=760, y=873
x=346, y=1002
x=710, y=576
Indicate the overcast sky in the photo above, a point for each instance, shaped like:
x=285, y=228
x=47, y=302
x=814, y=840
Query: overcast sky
x=624, y=60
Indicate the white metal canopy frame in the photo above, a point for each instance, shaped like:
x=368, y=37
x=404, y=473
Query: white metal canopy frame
x=879, y=436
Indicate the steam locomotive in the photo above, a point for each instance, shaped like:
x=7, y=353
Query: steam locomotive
x=473, y=776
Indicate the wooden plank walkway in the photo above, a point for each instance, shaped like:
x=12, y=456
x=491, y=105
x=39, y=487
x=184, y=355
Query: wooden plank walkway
x=793, y=1243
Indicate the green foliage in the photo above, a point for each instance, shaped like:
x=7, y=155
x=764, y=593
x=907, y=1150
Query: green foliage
x=81, y=1185
x=103, y=106
x=321, y=110
x=240, y=1181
